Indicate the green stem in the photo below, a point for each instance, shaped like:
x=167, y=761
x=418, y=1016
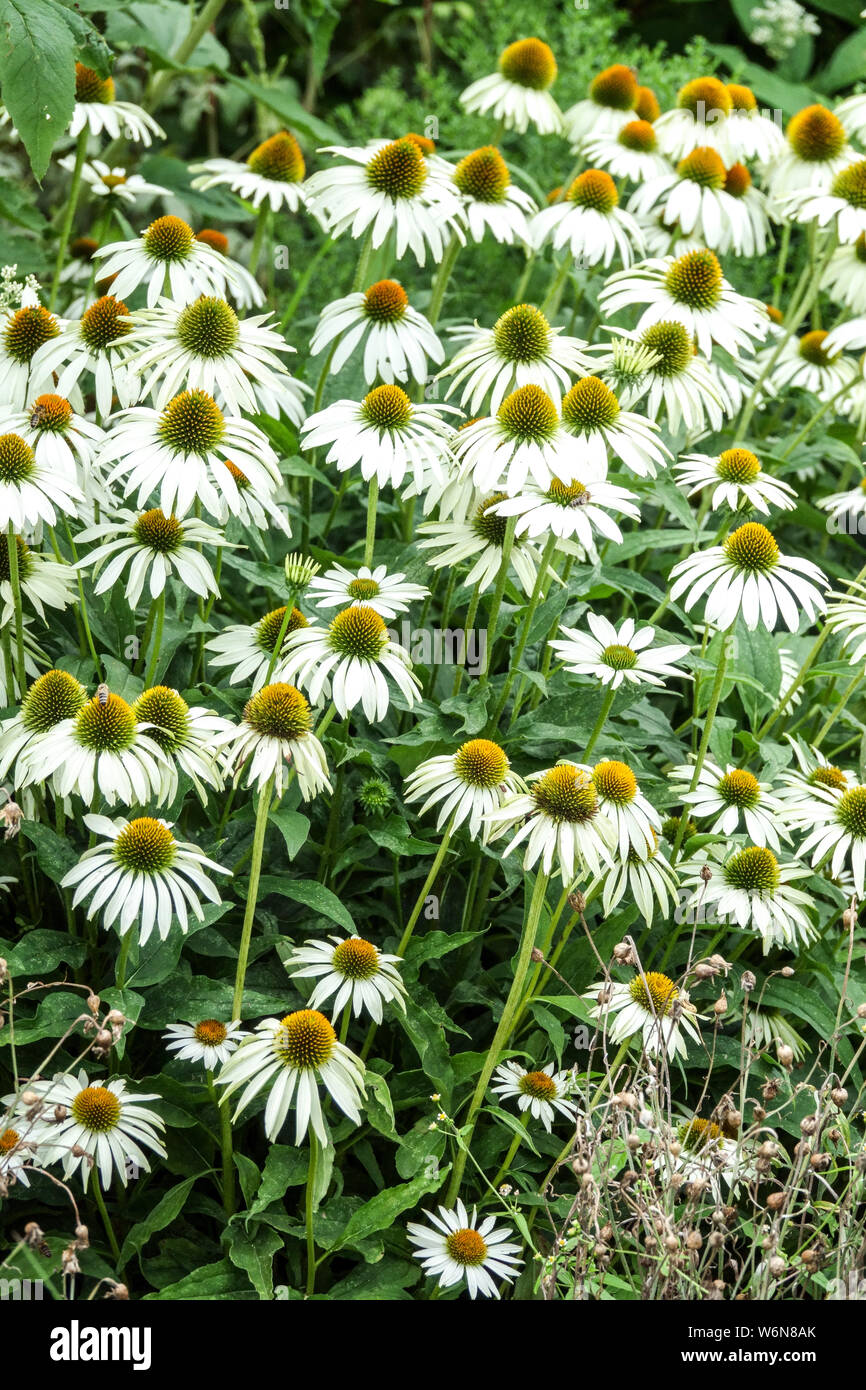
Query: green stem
x=106, y=1219
x=157, y=641
x=517, y=654
x=842, y=702
x=186, y=48
x=68, y=214
x=228, y=1166
x=298, y=292
x=259, y=236
x=715, y=696
x=600, y=722
x=261, y=825
x=440, y=283
x=15, y=584
x=122, y=958
x=372, y=505
x=514, y=1146
x=309, y=1206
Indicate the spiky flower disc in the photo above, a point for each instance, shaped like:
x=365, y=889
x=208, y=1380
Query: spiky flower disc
x=483, y=175
x=529, y=63
x=522, y=334
x=695, y=279
x=55, y=696
x=481, y=763
x=103, y=322
x=752, y=547
x=654, y=992
x=616, y=87
x=753, y=870
x=398, y=169
x=816, y=135
x=279, y=711
x=566, y=793
x=167, y=713
x=28, y=329
x=145, y=846
x=278, y=158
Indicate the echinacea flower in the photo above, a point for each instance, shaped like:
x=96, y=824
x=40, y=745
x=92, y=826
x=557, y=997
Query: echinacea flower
x=700, y=118
x=518, y=94
x=349, y=972
x=839, y=818
x=169, y=259
x=817, y=150
x=728, y=796
x=32, y=491
x=753, y=889
x=693, y=199
x=143, y=875
x=396, y=338
x=661, y=365
x=351, y=660
x=637, y=822
x=490, y=201
x=524, y=439
x=97, y=110
x=571, y=510
x=543, y=1092
x=114, y=184
x=521, y=349
x=733, y=477
x=92, y=346
x=389, y=436
x=649, y=1004
x=190, y=737
x=748, y=576
x=290, y=1057
x=210, y=1041
x=632, y=153
x=844, y=276
x=154, y=547
x=592, y=413
x=251, y=650
x=813, y=362
x=846, y=612
x=560, y=818
x=458, y=1247
x=387, y=594
x=24, y=331
x=276, y=735
x=273, y=174
x=481, y=540
x=609, y=106
x=465, y=785
x=89, y=1125
x=613, y=655
x=41, y=579
x=103, y=747
x=16, y=1153
x=54, y=697
x=751, y=134
x=648, y=879
x=588, y=220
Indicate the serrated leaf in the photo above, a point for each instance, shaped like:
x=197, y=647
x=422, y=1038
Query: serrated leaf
x=37, y=75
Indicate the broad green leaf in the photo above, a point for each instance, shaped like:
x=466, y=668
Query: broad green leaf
x=381, y=1212
x=254, y=1252
x=37, y=75
x=167, y=1209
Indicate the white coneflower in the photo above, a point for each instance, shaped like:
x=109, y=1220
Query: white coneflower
x=490, y=201
x=143, y=875
x=180, y=454
x=748, y=576
x=561, y=820
x=349, y=972
x=846, y=612
x=649, y=1004
x=592, y=413
x=728, y=797
x=90, y=1125
x=692, y=290
x=170, y=259
x=614, y=655
x=817, y=150
x=98, y=111
x=61, y=439
x=839, y=818
x=388, y=594
x=32, y=491
x=700, y=117
x=92, y=346
x=190, y=737
x=41, y=579
x=844, y=277
x=459, y=1247
x=386, y=434
x=153, y=546
x=272, y=174
x=637, y=822
x=611, y=103
x=632, y=153
x=733, y=477
x=521, y=349
x=518, y=94
x=842, y=206
x=481, y=540
x=661, y=364
x=524, y=439
x=706, y=1157
x=543, y=1092
x=209, y=1041
x=16, y=1152
x=276, y=737
x=649, y=880
x=465, y=785
x=811, y=363
x=813, y=769
x=750, y=887
x=259, y=511
x=24, y=332
x=749, y=233
x=114, y=184
x=397, y=339
x=387, y=186
x=105, y=748
x=350, y=660
x=204, y=346
x=693, y=198
x=52, y=699
x=750, y=133
x=571, y=511
x=588, y=220
x=250, y=650
x=290, y=1057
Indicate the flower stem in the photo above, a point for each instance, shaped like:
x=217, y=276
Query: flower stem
x=157, y=641
x=106, y=1219
x=514, y=1146
x=69, y=213
x=715, y=696
x=259, y=236
x=842, y=702
x=600, y=722
x=309, y=1205
x=440, y=283
x=372, y=504
x=517, y=653
x=252, y=894
x=15, y=584
x=228, y=1166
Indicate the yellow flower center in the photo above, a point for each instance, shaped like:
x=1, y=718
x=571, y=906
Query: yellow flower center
x=738, y=181
x=106, y=728
x=398, y=169
x=695, y=279
x=738, y=466
x=528, y=415
x=816, y=135
x=483, y=175
x=357, y=959
x=638, y=135
x=740, y=788
x=811, y=347
x=17, y=460
x=269, y=627
x=654, y=992
x=697, y=1135
x=618, y=657
x=210, y=1032
x=169, y=239
x=192, y=423
x=704, y=95
x=489, y=525
x=590, y=405
x=594, y=188
x=9, y=1140
x=208, y=328
x=529, y=63
x=466, y=1247
x=522, y=334
x=752, y=547
x=566, y=793
x=851, y=812
x=647, y=105
x=217, y=241
x=101, y=323
x=146, y=846
x=358, y=632
x=753, y=870
x=279, y=711
x=615, y=87
x=704, y=167
x=304, y=1040
x=742, y=98
x=158, y=532
x=387, y=408
x=615, y=782
x=538, y=1085
x=167, y=713
x=673, y=346
x=97, y=1109
x=279, y=159
x=91, y=88
x=386, y=302
x=850, y=184
x=26, y=330
x=50, y=414
x=481, y=763
x=829, y=776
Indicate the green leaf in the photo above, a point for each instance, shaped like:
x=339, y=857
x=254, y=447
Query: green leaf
x=55, y=855
x=285, y=1167
x=847, y=65
x=313, y=895
x=167, y=1209
x=37, y=75
x=254, y=1253
x=219, y=1280
x=293, y=827
x=380, y=1213
x=41, y=951
x=287, y=108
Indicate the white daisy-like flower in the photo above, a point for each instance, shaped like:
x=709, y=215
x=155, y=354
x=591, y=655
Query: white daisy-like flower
x=388, y=594
x=693, y=198
x=180, y=454
x=518, y=94
x=290, y=1057
x=53, y=697
x=103, y=747
x=97, y=110
x=637, y=822
x=573, y=511
x=588, y=220
x=458, y=1247
x=41, y=579
x=660, y=364
x=89, y=1125
x=847, y=613
x=348, y=971
x=852, y=113
x=593, y=414
x=817, y=150
x=490, y=201
x=706, y=1156
x=31, y=490
x=733, y=477
x=17, y=1151
x=92, y=347
x=649, y=880
x=748, y=575
x=524, y=439
x=61, y=439
x=730, y=797
x=143, y=875
x=747, y=232
x=209, y=1041
x=842, y=206
x=611, y=104
x=257, y=511
x=613, y=655
x=480, y=539
x=632, y=153
x=350, y=660
x=24, y=332
x=250, y=650
x=190, y=737
x=839, y=818
x=272, y=174
x=692, y=290
x=544, y=1092
x=750, y=887
x=465, y=785
x=386, y=434
x=387, y=186
x=114, y=184
x=751, y=134
x=204, y=346
x=521, y=349
x=153, y=547
x=651, y=1005
x=813, y=769
x=276, y=737
x=846, y=508
x=169, y=258
x=397, y=339
x=560, y=818
x=844, y=278
x=810, y=363
x=700, y=118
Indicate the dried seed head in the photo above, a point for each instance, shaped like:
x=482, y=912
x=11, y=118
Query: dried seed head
x=577, y=902
x=721, y=1005
x=776, y=1265
x=808, y=1125
x=787, y=972
x=747, y=982
x=770, y=1089
x=861, y=1010
x=777, y=1201
x=768, y=1149
x=624, y=954
x=785, y=1055
x=704, y=971
x=838, y=1095
x=706, y=873
x=694, y=1240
